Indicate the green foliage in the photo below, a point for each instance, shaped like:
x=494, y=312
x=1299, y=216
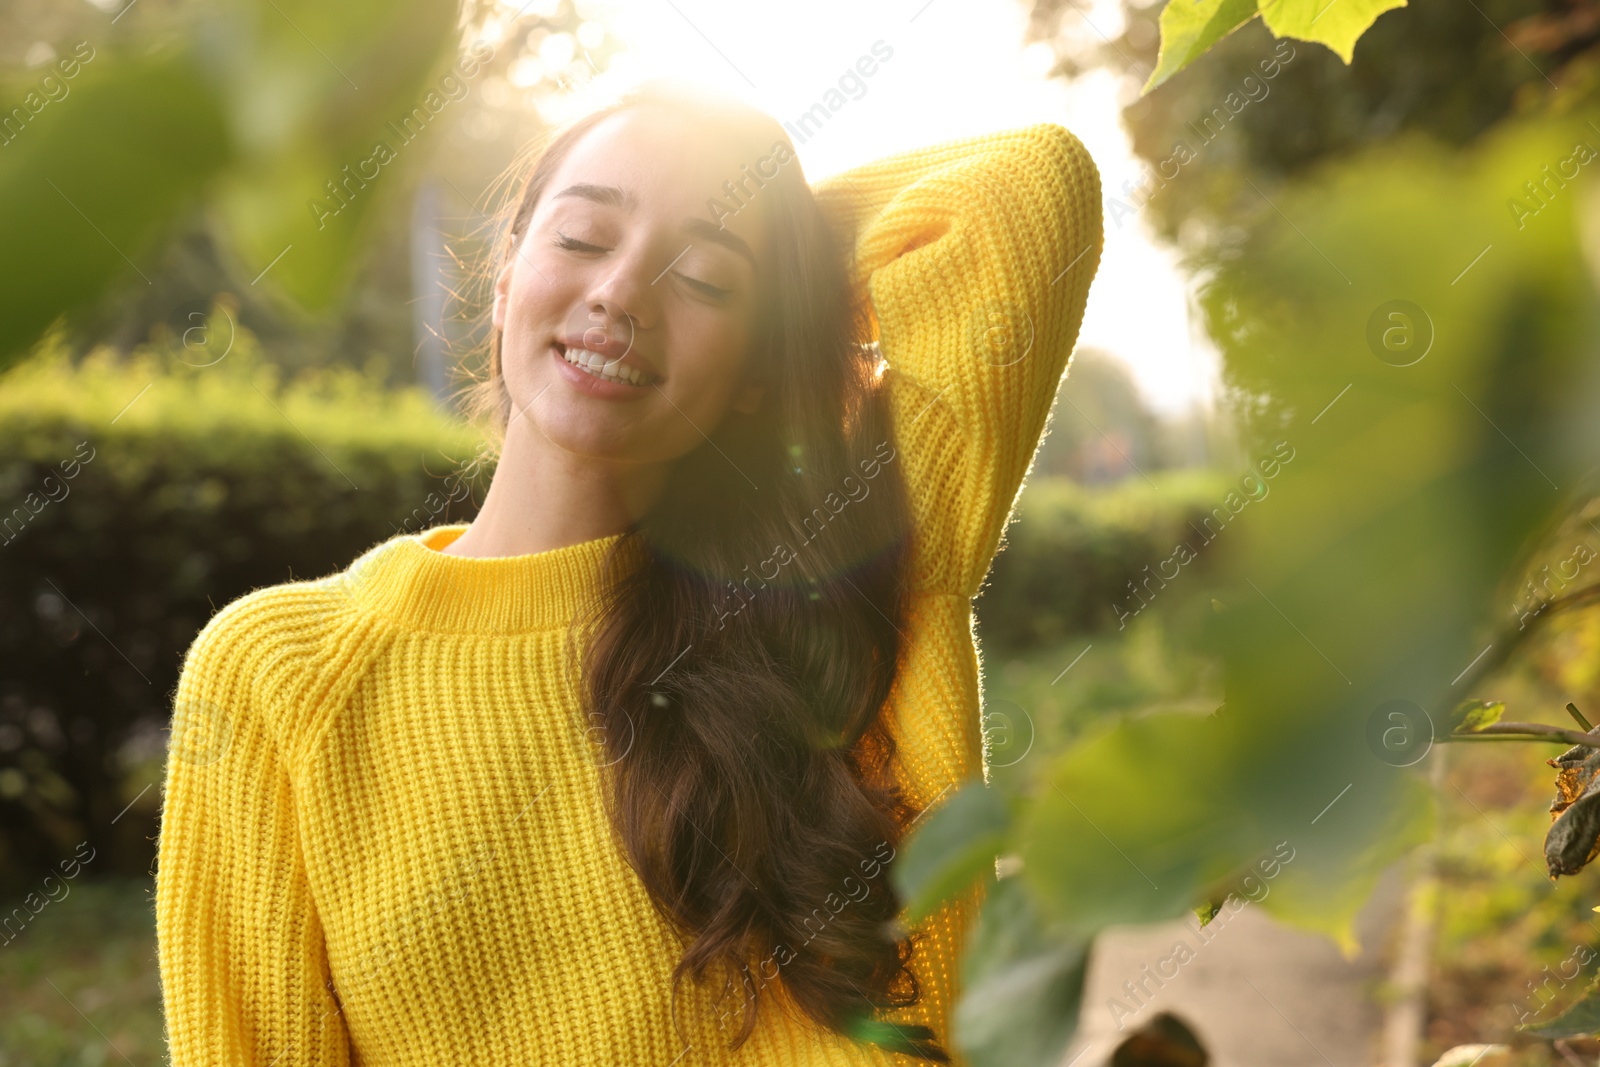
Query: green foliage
x=139, y=496
x=953, y=847
x=1153, y=852
x=1260, y=109
x=1473, y=715
x=1337, y=26
x=1348, y=843
x=1581, y=1019
x=379, y=62
x=1416, y=489
x=1415, y=326
x=1513, y=946
x=266, y=103
x=1039, y=701
x=1189, y=28
x=910, y=1040
x=1022, y=983
x=86, y=188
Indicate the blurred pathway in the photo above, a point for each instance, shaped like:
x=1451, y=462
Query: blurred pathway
x=1257, y=994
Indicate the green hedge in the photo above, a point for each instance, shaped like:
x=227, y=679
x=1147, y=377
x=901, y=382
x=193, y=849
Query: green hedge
x=136, y=498
x=1071, y=552
x=139, y=495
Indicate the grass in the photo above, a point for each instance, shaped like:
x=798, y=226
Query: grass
x=80, y=983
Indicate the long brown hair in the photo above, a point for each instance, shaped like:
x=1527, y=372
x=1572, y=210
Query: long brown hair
x=740, y=659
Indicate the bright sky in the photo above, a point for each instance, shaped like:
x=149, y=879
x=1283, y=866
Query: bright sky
x=958, y=68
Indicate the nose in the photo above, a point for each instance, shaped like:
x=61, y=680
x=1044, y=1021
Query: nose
x=624, y=293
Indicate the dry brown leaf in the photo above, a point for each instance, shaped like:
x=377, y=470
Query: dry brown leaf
x=1573, y=839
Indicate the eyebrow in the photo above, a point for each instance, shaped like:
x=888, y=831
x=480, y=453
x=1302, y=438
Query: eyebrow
x=611, y=196
x=718, y=235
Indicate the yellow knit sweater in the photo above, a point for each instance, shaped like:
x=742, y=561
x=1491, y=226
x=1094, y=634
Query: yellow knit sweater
x=383, y=839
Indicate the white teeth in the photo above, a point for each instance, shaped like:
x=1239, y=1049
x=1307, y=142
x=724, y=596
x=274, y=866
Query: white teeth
x=597, y=365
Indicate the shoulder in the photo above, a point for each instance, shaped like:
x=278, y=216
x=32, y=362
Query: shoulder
x=288, y=622
x=269, y=649
x=274, y=618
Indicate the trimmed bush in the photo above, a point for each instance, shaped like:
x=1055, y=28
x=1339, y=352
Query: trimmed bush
x=139, y=496
x=1071, y=552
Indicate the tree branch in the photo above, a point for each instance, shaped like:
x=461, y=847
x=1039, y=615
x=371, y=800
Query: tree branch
x=1527, y=731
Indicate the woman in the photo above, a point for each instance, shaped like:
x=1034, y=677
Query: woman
x=616, y=773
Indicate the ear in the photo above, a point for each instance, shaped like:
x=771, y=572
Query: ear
x=748, y=400
x=502, y=285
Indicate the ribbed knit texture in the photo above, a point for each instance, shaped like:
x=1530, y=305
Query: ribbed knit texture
x=384, y=838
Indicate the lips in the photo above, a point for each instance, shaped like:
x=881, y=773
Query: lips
x=609, y=359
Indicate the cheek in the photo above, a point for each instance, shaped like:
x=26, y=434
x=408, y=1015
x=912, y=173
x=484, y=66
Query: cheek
x=528, y=322
x=707, y=360
x=532, y=290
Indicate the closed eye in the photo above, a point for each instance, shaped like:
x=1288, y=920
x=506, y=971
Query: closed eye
x=574, y=245
x=571, y=244
x=706, y=287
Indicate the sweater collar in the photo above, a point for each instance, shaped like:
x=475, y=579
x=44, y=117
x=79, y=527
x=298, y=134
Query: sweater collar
x=411, y=581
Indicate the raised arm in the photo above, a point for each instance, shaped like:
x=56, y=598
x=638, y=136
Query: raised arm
x=244, y=975
x=976, y=255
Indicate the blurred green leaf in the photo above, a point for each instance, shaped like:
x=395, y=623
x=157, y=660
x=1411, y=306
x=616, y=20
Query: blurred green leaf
x=1136, y=822
x=1338, y=862
x=1424, y=346
x=1022, y=984
x=953, y=847
x=257, y=120
x=89, y=183
x=1420, y=348
x=1580, y=1020
x=908, y=1039
x=317, y=90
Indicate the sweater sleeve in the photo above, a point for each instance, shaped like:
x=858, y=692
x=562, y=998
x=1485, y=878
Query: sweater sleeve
x=974, y=257
x=244, y=975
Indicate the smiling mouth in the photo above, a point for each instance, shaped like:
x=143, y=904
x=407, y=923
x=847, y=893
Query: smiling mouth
x=606, y=370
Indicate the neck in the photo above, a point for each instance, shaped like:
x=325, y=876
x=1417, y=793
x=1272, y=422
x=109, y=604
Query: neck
x=543, y=497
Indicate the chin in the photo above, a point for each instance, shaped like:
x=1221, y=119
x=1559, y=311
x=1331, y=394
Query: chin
x=590, y=437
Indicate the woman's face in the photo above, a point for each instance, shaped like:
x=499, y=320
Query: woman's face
x=622, y=268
